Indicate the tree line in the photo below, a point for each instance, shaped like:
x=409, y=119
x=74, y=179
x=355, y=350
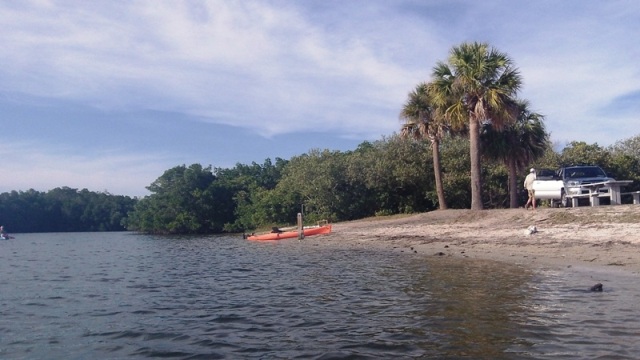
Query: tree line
x=63, y=209
x=394, y=175
x=464, y=141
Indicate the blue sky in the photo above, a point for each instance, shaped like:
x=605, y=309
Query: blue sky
x=107, y=95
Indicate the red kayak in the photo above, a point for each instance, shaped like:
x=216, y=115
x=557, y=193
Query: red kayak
x=325, y=229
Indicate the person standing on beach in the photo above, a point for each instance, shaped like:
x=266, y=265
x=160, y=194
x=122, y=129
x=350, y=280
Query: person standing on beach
x=528, y=184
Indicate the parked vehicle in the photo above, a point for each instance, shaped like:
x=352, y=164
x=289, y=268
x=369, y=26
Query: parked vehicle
x=566, y=182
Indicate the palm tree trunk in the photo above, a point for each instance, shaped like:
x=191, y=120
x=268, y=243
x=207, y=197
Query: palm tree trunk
x=437, y=172
x=513, y=183
x=476, y=179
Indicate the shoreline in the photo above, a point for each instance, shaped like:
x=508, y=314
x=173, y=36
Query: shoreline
x=604, y=237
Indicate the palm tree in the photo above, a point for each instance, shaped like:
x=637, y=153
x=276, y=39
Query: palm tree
x=421, y=122
x=517, y=145
x=477, y=86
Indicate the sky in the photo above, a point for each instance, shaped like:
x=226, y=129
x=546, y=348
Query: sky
x=107, y=95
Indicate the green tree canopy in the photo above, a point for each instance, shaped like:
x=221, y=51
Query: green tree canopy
x=629, y=147
x=518, y=145
x=183, y=200
x=64, y=209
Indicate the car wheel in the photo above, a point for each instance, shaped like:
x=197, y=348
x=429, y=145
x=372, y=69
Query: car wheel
x=564, y=202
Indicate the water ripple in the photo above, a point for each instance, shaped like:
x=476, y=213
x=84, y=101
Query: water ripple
x=129, y=296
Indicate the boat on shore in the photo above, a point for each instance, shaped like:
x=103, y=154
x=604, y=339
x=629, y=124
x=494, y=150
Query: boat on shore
x=279, y=235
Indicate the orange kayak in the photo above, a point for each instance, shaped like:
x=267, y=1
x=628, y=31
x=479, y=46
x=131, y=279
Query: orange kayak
x=325, y=229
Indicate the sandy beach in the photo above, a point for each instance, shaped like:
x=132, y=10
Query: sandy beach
x=607, y=237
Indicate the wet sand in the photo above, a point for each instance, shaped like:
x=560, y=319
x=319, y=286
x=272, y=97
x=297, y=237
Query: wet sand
x=606, y=237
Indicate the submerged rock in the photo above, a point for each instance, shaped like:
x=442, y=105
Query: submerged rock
x=597, y=287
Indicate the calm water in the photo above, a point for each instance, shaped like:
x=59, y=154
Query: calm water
x=126, y=296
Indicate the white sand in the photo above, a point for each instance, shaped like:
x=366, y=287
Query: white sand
x=605, y=236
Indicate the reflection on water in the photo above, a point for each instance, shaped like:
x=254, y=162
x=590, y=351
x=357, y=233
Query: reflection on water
x=131, y=296
x=476, y=307
x=490, y=310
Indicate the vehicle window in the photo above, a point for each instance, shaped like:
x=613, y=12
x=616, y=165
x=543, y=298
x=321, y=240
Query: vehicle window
x=545, y=174
x=590, y=172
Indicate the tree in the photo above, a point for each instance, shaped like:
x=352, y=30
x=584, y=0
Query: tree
x=422, y=122
x=184, y=200
x=247, y=186
x=399, y=176
x=625, y=161
x=477, y=86
x=517, y=145
x=455, y=158
x=64, y=209
x=316, y=180
x=581, y=153
x=630, y=147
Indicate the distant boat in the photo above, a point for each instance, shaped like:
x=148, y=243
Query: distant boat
x=324, y=229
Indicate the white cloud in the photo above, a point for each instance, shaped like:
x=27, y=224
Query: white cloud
x=575, y=62
x=30, y=166
x=246, y=64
